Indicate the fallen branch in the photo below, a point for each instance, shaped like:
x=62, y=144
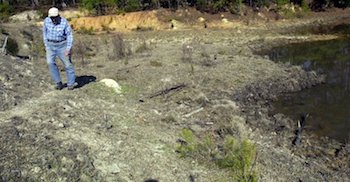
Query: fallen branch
x=3, y=49
x=168, y=90
x=193, y=112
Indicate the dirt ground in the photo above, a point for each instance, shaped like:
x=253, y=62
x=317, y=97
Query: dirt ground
x=94, y=134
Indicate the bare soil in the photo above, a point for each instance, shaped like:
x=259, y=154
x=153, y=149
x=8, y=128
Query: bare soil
x=94, y=134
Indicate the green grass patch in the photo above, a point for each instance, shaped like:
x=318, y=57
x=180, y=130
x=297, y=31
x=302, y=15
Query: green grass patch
x=155, y=63
x=237, y=156
x=127, y=89
x=222, y=52
x=99, y=90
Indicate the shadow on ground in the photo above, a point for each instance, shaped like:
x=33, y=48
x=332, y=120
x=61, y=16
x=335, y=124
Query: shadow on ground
x=84, y=80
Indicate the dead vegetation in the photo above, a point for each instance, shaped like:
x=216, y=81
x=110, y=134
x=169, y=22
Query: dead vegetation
x=30, y=152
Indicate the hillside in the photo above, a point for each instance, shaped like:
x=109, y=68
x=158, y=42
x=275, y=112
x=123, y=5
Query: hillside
x=205, y=79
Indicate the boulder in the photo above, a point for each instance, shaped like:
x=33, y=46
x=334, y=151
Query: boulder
x=112, y=84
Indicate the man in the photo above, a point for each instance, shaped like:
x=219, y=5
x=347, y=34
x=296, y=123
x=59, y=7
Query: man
x=58, y=40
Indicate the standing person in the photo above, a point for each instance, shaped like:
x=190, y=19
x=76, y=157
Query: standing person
x=58, y=40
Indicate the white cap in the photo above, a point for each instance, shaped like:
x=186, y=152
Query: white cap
x=53, y=12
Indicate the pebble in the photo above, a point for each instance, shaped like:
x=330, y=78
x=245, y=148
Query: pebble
x=36, y=170
x=114, y=169
x=80, y=157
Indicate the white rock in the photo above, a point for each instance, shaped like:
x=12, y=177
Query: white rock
x=112, y=84
x=224, y=20
x=201, y=19
x=61, y=125
x=165, y=80
x=114, y=169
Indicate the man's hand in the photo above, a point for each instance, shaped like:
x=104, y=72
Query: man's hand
x=67, y=52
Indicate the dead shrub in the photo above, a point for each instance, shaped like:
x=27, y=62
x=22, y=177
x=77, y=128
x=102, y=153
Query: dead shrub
x=80, y=51
x=187, y=53
x=206, y=59
x=119, y=48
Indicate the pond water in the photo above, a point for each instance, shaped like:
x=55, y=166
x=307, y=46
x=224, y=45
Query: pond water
x=328, y=105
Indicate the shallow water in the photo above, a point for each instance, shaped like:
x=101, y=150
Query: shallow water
x=328, y=105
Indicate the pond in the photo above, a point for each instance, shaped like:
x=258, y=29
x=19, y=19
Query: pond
x=328, y=105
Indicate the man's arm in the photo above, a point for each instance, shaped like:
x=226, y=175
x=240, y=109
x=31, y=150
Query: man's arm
x=69, y=34
x=44, y=33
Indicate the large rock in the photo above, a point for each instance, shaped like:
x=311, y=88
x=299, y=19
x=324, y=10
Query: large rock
x=31, y=15
x=112, y=84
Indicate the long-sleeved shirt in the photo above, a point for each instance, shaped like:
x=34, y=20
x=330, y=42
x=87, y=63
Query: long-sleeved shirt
x=58, y=32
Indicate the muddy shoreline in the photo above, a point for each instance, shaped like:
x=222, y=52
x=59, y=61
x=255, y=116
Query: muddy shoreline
x=255, y=101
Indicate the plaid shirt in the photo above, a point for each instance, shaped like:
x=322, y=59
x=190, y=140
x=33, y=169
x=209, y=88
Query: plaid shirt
x=58, y=32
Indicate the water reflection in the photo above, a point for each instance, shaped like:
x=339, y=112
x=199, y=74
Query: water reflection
x=327, y=104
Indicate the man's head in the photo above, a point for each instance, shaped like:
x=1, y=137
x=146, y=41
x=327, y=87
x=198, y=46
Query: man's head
x=55, y=17
x=53, y=12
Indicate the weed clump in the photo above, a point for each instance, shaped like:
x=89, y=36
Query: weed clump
x=187, y=144
x=237, y=156
x=88, y=31
x=240, y=158
x=5, y=11
x=155, y=63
